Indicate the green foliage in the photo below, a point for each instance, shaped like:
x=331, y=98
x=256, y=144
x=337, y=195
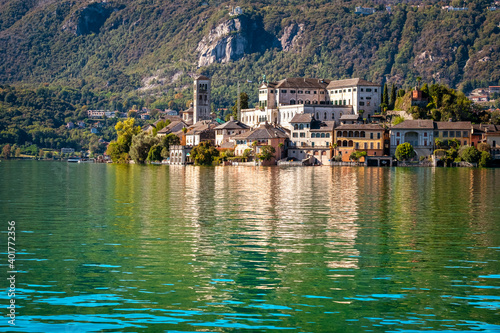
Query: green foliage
x=247, y=154
x=404, y=152
x=483, y=147
x=141, y=145
x=169, y=140
x=470, y=154
x=356, y=155
x=154, y=153
x=385, y=96
x=158, y=39
x=485, y=159
x=204, y=153
x=266, y=153
x=397, y=120
x=160, y=125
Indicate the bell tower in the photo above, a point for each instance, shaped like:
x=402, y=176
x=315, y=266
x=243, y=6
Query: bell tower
x=201, y=99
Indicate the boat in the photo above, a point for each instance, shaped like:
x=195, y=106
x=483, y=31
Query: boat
x=74, y=160
x=84, y=160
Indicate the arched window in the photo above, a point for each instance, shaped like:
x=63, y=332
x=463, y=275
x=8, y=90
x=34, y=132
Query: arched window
x=351, y=143
x=317, y=115
x=201, y=98
x=339, y=133
x=344, y=134
x=324, y=116
x=295, y=127
x=362, y=134
x=344, y=143
x=356, y=134
x=322, y=135
x=350, y=134
x=292, y=102
x=327, y=135
x=301, y=126
x=339, y=143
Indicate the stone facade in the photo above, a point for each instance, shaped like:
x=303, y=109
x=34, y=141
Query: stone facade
x=201, y=99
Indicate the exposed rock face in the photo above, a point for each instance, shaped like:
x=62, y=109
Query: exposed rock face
x=231, y=40
x=89, y=19
x=291, y=36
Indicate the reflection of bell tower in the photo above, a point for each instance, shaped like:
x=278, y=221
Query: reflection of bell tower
x=201, y=99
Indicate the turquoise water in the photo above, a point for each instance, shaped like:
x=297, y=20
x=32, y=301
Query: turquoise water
x=111, y=248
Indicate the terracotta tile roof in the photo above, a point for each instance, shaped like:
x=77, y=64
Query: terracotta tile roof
x=351, y=83
x=302, y=118
x=482, y=128
x=306, y=83
x=262, y=132
x=227, y=144
x=444, y=125
x=232, y=124
x=322, y=126
x=415, y=124
x=358, y=127
x=350, y=117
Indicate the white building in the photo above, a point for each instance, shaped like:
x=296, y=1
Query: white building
x=224, y=132
x=328, y=100
x=311, y=137
x=419, y=133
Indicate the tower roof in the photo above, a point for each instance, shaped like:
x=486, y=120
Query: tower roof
x=202, y=77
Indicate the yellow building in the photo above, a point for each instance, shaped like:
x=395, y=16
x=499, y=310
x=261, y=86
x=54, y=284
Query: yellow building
x=459, y=130
x=360, y=137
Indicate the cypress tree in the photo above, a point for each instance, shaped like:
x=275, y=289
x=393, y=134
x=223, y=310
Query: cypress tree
x=385, y=95
x=393, y=96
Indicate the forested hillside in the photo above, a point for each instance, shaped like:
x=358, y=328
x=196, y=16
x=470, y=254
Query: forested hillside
x=122, y=48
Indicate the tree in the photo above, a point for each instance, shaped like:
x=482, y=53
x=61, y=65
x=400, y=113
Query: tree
x=141, y=144
x=154, y=153
x=243, y=105
x=169, y=140
x=469, y=154
x=6, y=151
x=132, y=114
x=204, y=153
x=485, y=159
x=404, y=152
x=266, y=153
x=418, y=81
x=483, y=146
x=247, y=154
x=392, y=99
x=18, y=152
x=160, y=125
x=356, y=155
x=385, y=95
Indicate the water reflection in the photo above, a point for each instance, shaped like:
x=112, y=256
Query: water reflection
x=226, y=249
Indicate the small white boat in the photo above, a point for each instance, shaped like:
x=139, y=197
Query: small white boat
x=84, y=160
x=74, y=160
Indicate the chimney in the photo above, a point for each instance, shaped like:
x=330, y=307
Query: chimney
x=231, y=118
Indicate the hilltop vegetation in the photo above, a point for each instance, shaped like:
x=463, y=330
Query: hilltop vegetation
x=117, y=47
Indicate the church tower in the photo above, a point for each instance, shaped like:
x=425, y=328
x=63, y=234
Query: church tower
x=201, y=99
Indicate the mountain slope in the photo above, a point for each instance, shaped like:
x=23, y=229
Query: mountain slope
x=120, y=46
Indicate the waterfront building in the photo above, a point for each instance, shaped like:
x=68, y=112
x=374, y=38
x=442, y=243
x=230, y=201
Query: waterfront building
x=447, y=131
x=179, y=155
x=203, y=130
x=371, y=138
x=224, y=132
x=265, y=134
x=328, y=100
x=419, y=133
x=311, y=138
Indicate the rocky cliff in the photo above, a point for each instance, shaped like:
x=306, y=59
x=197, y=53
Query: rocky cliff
x=232, y=39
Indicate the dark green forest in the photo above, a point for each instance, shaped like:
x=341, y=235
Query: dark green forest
x=113, y=48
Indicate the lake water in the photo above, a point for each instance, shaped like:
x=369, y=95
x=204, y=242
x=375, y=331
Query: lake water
x=128, y=248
